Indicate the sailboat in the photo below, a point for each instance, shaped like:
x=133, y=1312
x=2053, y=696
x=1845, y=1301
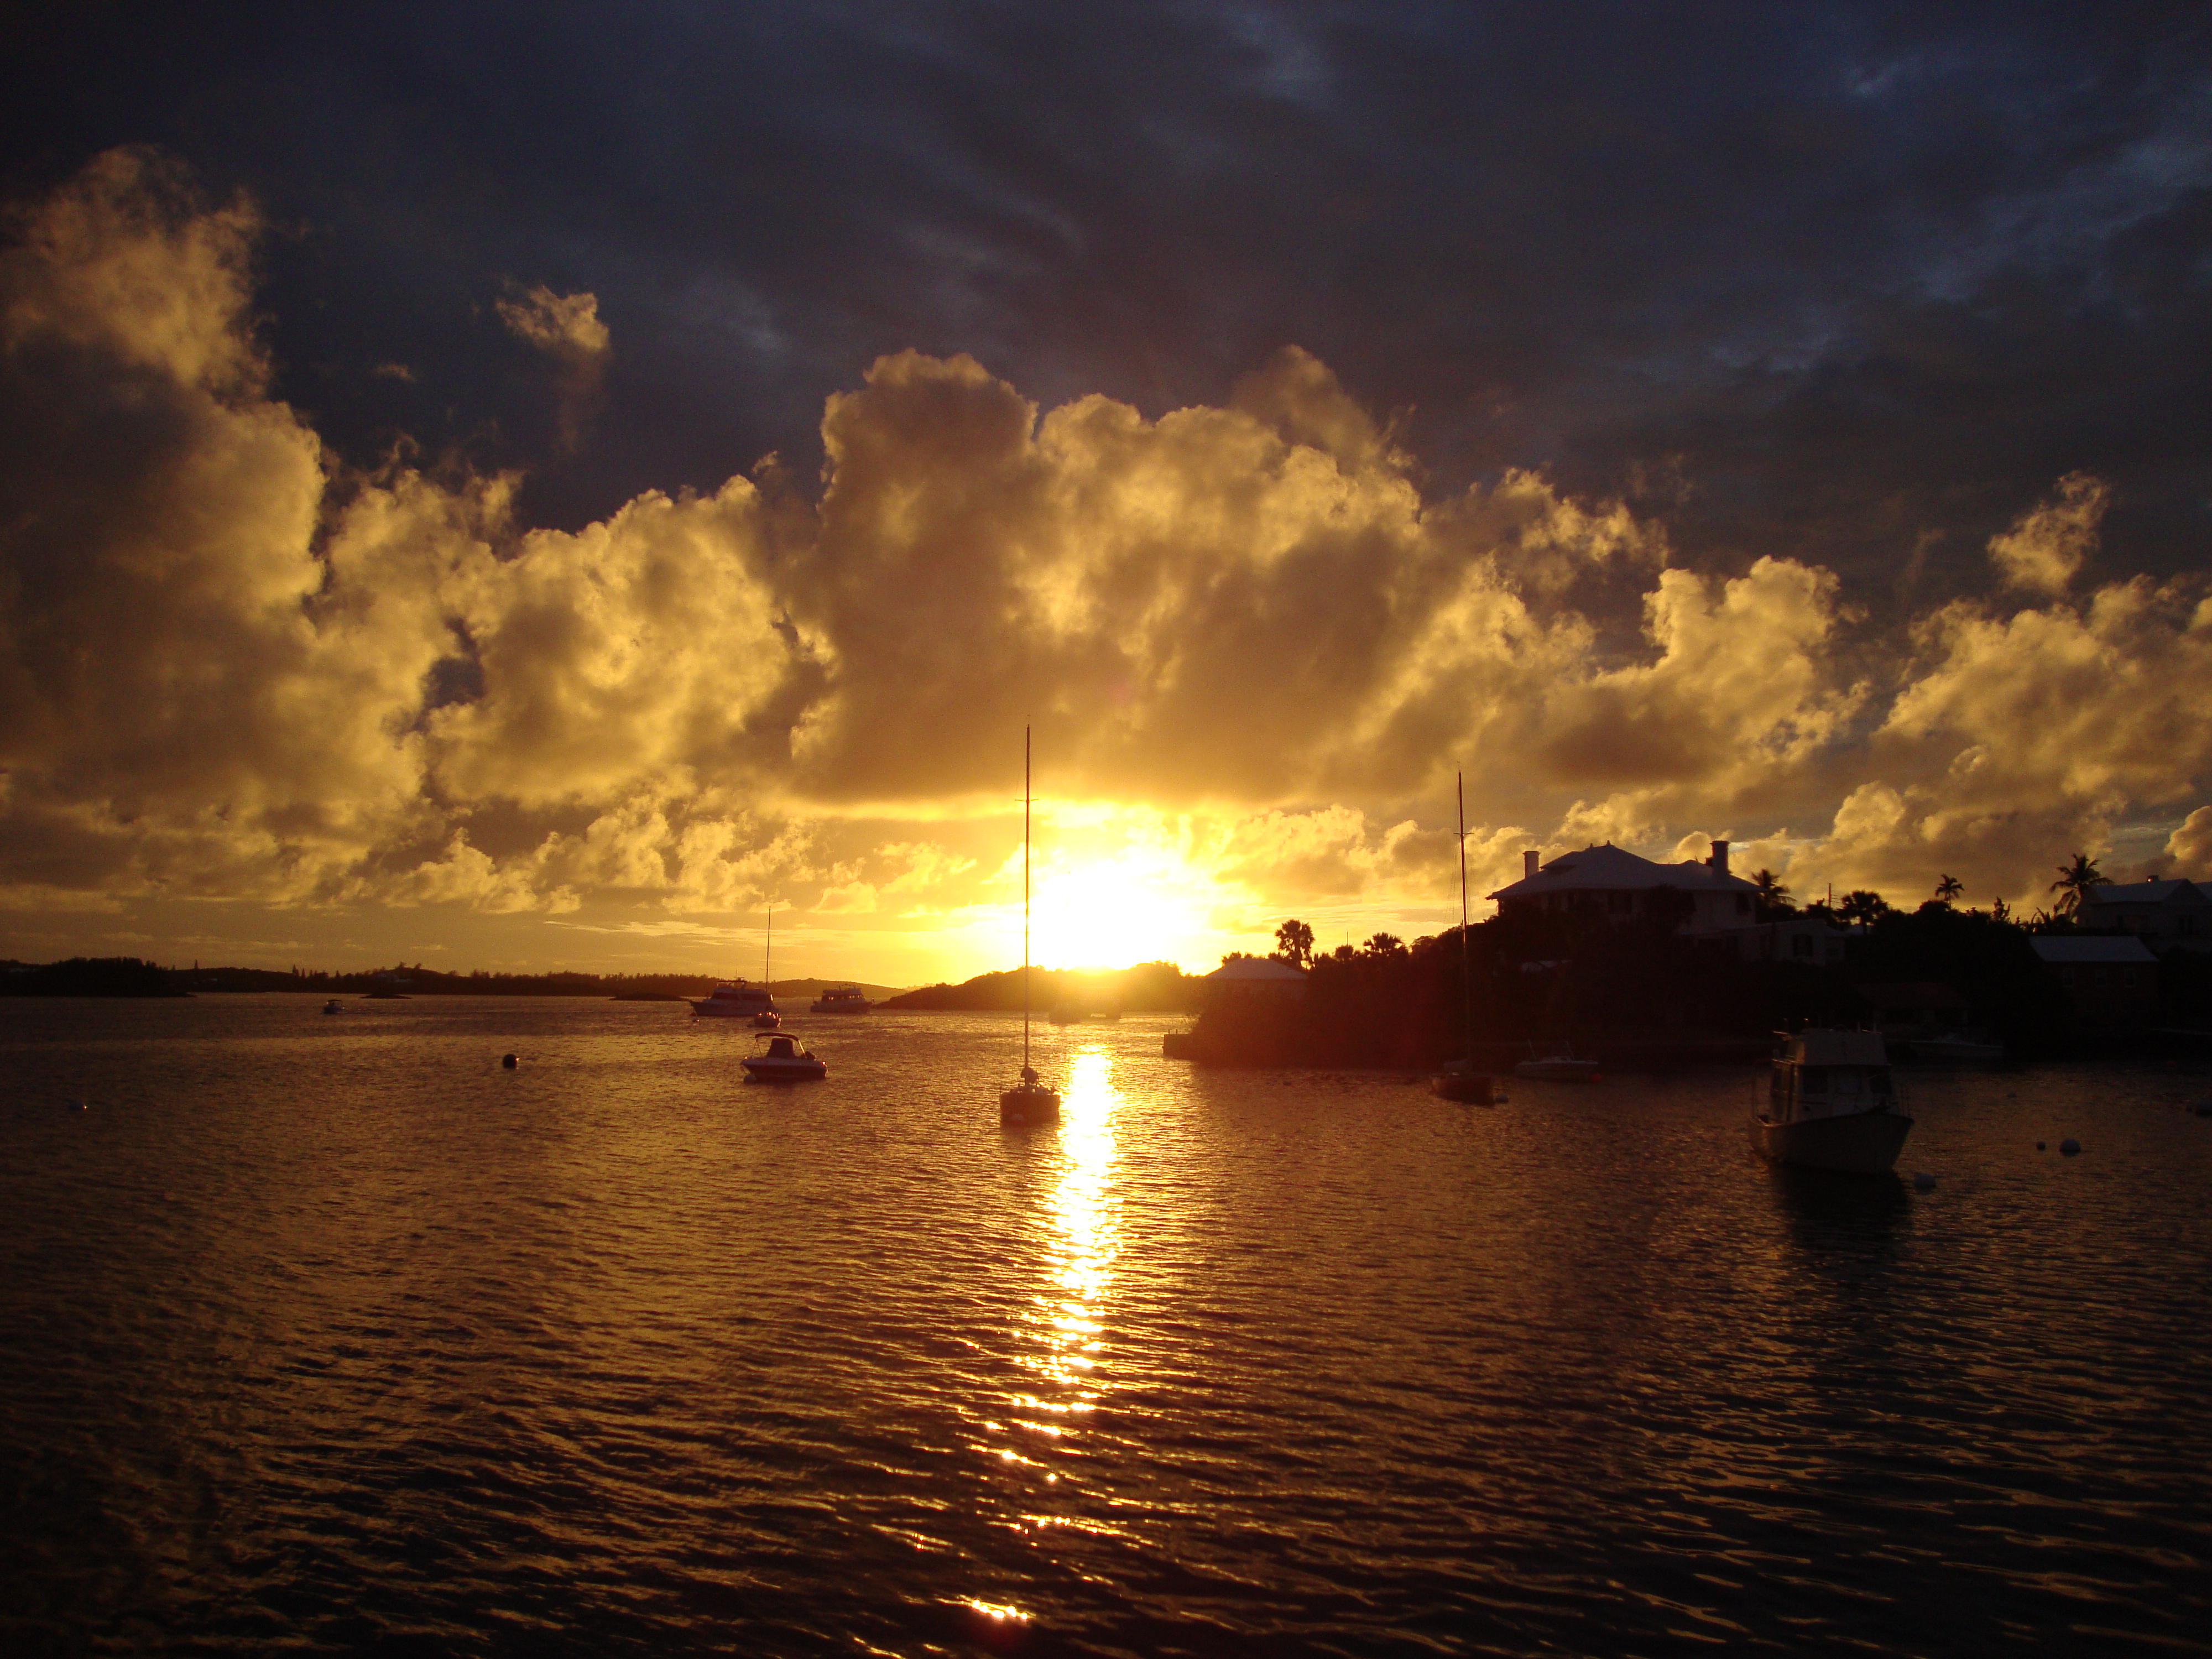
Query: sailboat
x=768, y=1019
x=1458, y=1079
x=1029, y=1100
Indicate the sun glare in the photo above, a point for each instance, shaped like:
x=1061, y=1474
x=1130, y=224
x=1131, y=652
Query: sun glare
x=1111, y=914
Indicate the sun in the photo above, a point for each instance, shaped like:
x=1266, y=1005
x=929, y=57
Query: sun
x=1112, y=913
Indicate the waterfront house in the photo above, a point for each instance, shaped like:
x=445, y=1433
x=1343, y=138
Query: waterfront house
x=2109, y=981
x=2172, y=912
x=1612, y=882
x=1253, y=979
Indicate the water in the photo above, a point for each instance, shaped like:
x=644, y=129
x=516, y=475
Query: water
x=329, y=1334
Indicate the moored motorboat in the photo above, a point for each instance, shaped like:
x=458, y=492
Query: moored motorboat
x=1560, y=1068
x=842, y=1000
x=737, y=1000
x=779, y=1057
x=334, y=1006
x=1832, y=1104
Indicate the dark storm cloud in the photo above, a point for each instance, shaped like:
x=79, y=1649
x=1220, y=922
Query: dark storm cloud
x=1847, y=282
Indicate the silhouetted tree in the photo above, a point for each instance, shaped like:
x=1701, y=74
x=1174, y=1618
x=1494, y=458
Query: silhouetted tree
x=1862, y=905
x=1294, y=943
x=1384, y=945
x=2000, y=911
x=1773, y=898
x=1949, y=888
x=2075, y=883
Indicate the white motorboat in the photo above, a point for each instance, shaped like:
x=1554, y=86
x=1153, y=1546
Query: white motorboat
x=1832, y=1104
x=738, y=1000
x=779, y=1057
x=1560, y=1068
x=1029, y=1101
x=842, y=1000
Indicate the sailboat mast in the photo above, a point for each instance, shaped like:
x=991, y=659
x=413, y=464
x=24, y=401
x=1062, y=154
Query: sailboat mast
x=1466, y=975
x=768, y=951
x=1025, y=903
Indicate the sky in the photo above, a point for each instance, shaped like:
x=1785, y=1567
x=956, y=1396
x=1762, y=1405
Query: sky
x=532, y=487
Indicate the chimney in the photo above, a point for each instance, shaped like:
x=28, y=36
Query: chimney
x=1719, y=860
x=1529, y=863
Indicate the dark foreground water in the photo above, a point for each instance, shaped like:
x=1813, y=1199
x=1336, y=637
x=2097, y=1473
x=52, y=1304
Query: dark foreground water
x=328, y=1335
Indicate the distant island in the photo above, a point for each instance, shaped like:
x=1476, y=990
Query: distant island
x=129, y=976
x=1148, y=987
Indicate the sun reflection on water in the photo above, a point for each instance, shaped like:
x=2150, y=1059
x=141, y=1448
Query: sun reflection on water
x=1083, y=1214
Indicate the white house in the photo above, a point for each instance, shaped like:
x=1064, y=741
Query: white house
x=1611, y=882
x=1254, y=976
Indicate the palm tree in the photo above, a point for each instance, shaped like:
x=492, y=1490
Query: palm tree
x=2075, y=884
x=1773, y=896
x=1949, y=887
x=1384, y=945
x=1294, y=943
x=1862, y=906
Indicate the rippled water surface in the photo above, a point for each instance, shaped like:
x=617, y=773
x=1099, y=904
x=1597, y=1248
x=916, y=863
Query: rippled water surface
x=329, y=1334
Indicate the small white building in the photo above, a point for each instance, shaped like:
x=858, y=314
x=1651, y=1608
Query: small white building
x=1255, y=977
x=1611, y=882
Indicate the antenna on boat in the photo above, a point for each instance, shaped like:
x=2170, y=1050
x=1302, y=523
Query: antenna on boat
x=1025, y=904
x=1466, y=975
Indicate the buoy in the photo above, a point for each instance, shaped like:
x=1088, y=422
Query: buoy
x=2039, y=1145
x=2070, y=1145
x=77, y=1106
x=1922, y=1182
x=509, y=1061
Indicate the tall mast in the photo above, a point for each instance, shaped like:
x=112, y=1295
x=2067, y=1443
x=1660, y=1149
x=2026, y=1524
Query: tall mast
x=1025, y=903
x=768, y=952
x=1466, y=977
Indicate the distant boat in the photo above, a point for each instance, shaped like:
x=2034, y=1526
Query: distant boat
x=842, y=1000
x=737, y=1000
x=334, y=1006
x=1082, y=1016
x=1560, y=1068
x=1029, y=1101
x=1460, y=1079
x=779, y=1057
x=1832, y=1104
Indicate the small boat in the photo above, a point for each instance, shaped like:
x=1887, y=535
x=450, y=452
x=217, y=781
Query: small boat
x=737, y=1000
x=1459, y=1079
x=1029, y=1101
x=779, y=1057
x=842, y=1000
x=1082, y=1016
x=334, y=1006
x=1832, y=1104
x=1560, y=1068
x=1957, y=1049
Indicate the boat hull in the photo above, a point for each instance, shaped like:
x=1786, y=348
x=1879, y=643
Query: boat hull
x=1861, y=1143
x=1473, y=1088
x=785, y=1071
x=1030, y=1103
x=1560, y=1071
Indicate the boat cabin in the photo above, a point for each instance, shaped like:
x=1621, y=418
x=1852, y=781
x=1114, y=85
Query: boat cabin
x=1829, y=1074
x=780, y=1047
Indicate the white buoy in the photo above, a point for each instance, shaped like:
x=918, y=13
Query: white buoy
x=1922, y=1182
x=2070, y=1145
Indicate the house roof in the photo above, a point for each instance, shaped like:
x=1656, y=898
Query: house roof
x=1611, y=869
x=2058, y=948
x=2146, y=892
x=1257, y=968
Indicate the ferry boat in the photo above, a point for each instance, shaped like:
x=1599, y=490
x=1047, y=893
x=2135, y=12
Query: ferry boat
x=779, y=1057
x=738, y=1000
x=1832, y=1104
x=842, y=1000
